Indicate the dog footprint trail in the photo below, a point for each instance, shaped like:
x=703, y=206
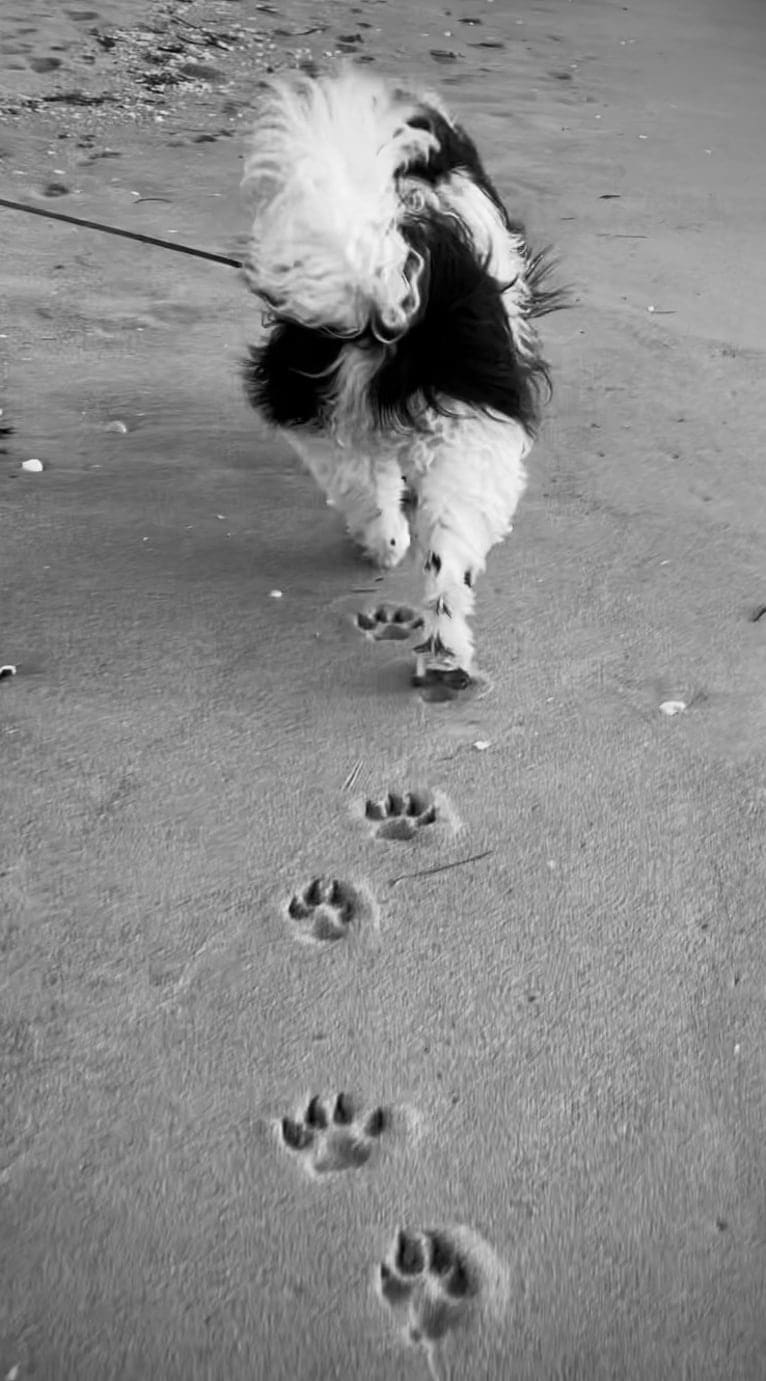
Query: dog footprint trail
x=436, y=1281
x=327, y=910
x=389, y=623
x=333, y=1136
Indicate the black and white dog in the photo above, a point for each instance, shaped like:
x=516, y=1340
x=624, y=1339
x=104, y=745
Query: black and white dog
x=401, y=356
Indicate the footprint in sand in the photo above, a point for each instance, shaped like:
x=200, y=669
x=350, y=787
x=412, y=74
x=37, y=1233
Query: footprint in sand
x=401, y=816
x=439, y=1280
x=333, y=1135
x=418, y=814
x=41, y=65
x=388, y=623
x=327, y=910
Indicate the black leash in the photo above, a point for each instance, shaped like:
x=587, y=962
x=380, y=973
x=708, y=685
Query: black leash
x=126, y=234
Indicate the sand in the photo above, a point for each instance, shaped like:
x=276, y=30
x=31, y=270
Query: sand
x=542, y=999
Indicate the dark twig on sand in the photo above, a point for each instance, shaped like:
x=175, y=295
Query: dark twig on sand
x=441, y=868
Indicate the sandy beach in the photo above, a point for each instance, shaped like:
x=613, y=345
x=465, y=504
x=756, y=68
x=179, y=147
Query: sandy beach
x=295, y=1084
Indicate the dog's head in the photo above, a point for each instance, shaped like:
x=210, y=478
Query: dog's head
x=340, y=170
x=322, y=174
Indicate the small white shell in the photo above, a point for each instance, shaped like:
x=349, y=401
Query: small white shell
x=33, y=466
x=670, y=707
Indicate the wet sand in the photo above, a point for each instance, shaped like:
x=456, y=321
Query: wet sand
x=258, y=1039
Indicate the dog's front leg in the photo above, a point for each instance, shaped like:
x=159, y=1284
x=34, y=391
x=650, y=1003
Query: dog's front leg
x=451, y=567
x=366, y=489
x=466, y=500
x=373, y=512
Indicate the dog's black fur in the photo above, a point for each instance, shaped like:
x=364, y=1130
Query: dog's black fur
x=290, y=378
x=460, y=348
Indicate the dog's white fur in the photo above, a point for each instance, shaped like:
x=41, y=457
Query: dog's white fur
x=327, y=251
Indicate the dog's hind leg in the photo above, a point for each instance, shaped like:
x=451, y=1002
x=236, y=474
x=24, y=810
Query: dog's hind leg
x=368, y=490
x=466, y=500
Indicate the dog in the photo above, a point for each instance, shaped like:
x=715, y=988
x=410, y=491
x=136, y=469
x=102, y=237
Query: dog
x=401, y=360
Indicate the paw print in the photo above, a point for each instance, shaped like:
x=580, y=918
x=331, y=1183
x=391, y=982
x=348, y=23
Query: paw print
x=429, y=1275
x=401, y=817
x=325, y=910
x=439, y=1280
x=333, y=1138
x=386, y=624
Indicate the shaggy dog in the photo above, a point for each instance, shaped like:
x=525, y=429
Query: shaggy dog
x=401, y=359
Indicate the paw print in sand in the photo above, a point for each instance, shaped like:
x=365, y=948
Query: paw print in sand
x=439, y=1279
x=428, y=1274
x=325, y=910
x=387, y=624
x=333, y=1137
x=401, y=816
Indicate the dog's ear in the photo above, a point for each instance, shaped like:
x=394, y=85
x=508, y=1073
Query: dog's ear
x=460, y=349
x=424, y=119
x=290, y=377
x=453, y=151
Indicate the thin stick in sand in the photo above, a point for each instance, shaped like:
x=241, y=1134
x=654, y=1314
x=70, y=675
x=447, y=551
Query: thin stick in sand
x=441, y=868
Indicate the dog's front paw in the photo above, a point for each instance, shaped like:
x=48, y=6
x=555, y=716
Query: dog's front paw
x=385, y=540
x=437, y=663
